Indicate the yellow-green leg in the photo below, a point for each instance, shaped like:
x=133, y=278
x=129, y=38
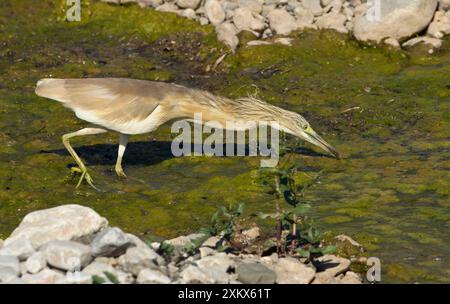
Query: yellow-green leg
x=122, y=146
x=81, y=167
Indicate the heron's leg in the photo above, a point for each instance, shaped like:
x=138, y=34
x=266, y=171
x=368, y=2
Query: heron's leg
x=122, y=146
x=82, y=168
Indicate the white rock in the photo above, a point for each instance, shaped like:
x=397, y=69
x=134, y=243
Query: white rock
x=211, y=242
x=244, y=19
x=444, y=5
x=192, y=4
x=67, y=222
x=66, y=255
x=399, y=19
x=282, y=22
x=214, y=11
x=258, y=42
x=36, y=263
x=206, y=251
x=11, y=262
x=303, y=15
x=216, y=267
x=434, y=42
x=193, y=274
x=99, y=269
x=332, y=264
x=111, y=242
x=76, y=277
x=21, y=248
x=254, y=6
x=203, y=20
x=7, y=274
x=266, y=9
x=284, y=41
x=392, y=42
x=150, y=276
x=182, y=241
x=46, y=276
x=1, y=243
x=313, y=6
x=152, y=3
x=333, y=21
x=292, y=271
x=189, y=13
x=350, y=278
x=440, y=25
x=137, y=258
x=167, y=8
x=227, y=33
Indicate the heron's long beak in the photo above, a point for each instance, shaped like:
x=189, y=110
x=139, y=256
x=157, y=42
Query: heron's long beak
x=311, y=136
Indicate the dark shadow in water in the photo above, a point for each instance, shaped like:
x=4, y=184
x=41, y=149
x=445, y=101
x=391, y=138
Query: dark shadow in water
x=142, y=153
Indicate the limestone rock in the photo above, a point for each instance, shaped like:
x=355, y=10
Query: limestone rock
x=66, y=255
x=21, y=248
x=192, y=274
x=282, y=22
x=11, y=262
x=193, y=4
x=244, y=19
x=100, y=268
x=440, y=25
x=46, y=276
x=227, y=33
x=138, y=258
x=399, y=19
x=216, y=267
x=350, y=278
x=167, y=8
x=292, y=271
x=66, y=222
x=111, y=242
x=313, y=6
x=150, y=276
x=254, y=6
x=434, y=42
x=255, y=273
x=214, y=11
x=334, y=21
x=332, y=264
x=7, y=274
x=36, y=263
x=444, y=5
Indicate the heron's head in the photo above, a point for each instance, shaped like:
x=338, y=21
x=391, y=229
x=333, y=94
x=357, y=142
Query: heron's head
x=297, y=125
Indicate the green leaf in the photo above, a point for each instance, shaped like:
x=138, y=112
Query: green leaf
x=329, y=249
x=98, y=280
x=111, y=277
x=301, y=209
x=303, y=253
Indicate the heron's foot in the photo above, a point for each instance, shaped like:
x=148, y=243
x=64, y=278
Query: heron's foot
x=84, y=176
x=120, y=172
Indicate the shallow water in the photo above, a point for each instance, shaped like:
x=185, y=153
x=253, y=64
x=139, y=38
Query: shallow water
x=390, y=192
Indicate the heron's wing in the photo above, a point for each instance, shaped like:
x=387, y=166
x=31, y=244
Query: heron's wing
x=112, y=99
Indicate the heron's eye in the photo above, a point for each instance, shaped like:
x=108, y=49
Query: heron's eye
x=305, y=127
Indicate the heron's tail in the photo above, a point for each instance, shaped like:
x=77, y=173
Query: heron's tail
x=52, y=88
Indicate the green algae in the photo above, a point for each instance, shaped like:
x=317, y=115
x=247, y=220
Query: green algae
x=386, y=111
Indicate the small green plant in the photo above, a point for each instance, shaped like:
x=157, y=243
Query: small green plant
x=110, y=276
x=282, y=184
x=98, y=280
x=310, y=246
x=166, y=250
x=223, y=223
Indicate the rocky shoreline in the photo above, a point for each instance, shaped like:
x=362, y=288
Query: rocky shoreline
x=397, y=23
x=72, y=244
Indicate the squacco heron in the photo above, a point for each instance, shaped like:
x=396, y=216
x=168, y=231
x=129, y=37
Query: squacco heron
x=130, y=106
